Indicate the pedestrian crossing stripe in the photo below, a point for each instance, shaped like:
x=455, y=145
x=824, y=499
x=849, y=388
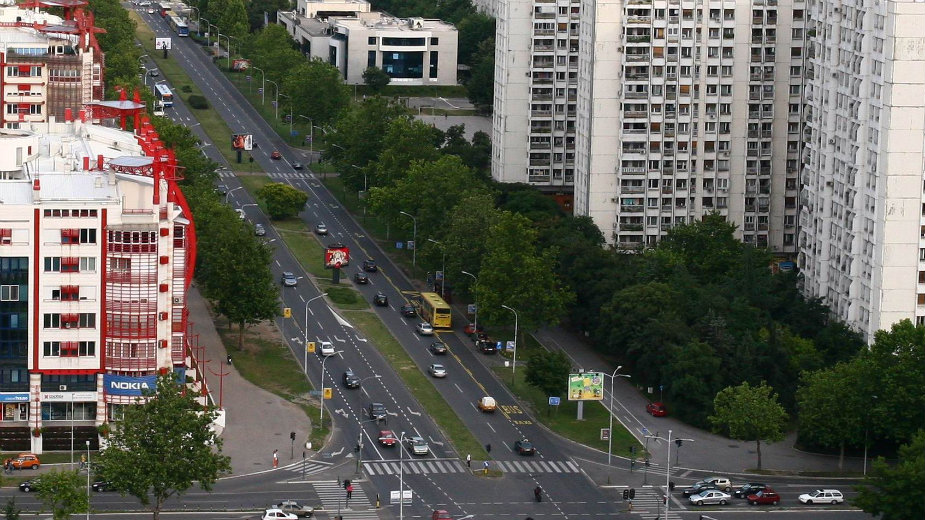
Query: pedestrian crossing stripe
x=311, y=467
x=424, y=467
x=648, y=504
x=293, y=175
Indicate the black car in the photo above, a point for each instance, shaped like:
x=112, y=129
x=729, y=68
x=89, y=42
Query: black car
x=749, y=489
x=381, y=300
x=524, y=447
x=438, y=348
x=102, y=485
x=361, y=278
x=297, y=166
x=370, y=266
x=351, y=380
x=29, y=486
x=407, y=311
x=699, y=487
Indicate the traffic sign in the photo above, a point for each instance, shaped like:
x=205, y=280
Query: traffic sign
x=554, y=401
x=310, y=347
x=605, y=434
x=328, y=392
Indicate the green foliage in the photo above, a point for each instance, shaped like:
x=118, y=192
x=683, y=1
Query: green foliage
x=894, y=492
x=63, y=493
x=198, y=102
x=548, y=371
x=230, y=16
x=473, y=29
x=282, y=200
x=476, y=155
x=357, y=136
x=118, y=43
x=481, y=83
x=527, y=201
x=257, y=8
x=274, y=51
x=376, y=79
x=163, y=446
x=749, y=413
x=317, y=90
x=407, y=140
x=10, y=511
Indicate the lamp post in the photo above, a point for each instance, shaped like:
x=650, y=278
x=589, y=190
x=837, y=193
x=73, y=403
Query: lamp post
x=276, y=90
x=613, y=377
x=414, y=238
x=290, y=112
x=360, y=424
x=443, y=281
x=323, y=360
x=199, y=26
x=475, y=293
x=667, y=467
x=197, y=18
x=305, y=335
x=88, y=479
x=401, y=477
x=263, y=85
x=514, y=363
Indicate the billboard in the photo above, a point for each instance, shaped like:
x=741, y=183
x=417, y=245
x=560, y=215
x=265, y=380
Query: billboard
x=162, y=43
x=336, y=256
x=126, y=385
x=242, y=142
x=240, y=64
x=587, y=386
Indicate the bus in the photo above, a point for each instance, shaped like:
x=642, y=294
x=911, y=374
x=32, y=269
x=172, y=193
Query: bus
x=163, y=94
x=434, y=310
x=178, y=24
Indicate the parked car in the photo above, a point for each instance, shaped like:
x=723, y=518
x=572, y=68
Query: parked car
x=153, y=73
x=381, y=300
x=387, y=438
x=524, y=447
x=417, y=445
x=277, y=514
x=259, y=230
x=295, y=508
x=407, y=310
x=25, y=461
x=297, y=166
x=370, y=266
x=326, y=348
x=424, y=329
x=437, y=370
x=763, y=497
x=102, y=485
x=749, y=489
x=360, y=278
x=656, y=409
x=699, y=487
x=321, y=229
x=722, y=483
x=276, y=155
x=823, y=496
x=289, y=280
x=350, y=379
x=437, y=348
x=471, y=329
x=440, y=514
x=487, y=404
x=30, y=486
x=712, y=496
x=377, y=411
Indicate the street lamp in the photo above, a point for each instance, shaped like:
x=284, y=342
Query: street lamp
x=230, y=192
x=613, y=377
x=475, y=286
x=323, y=360
x=290, y=113
x=197, y=18
x=305, y=335
x=667, y=467
x=199, y=26
x=443, y=281
x=401, y=477
x=276, y=87
x=360, y=424
x=263, y=85
x=514, y=363
x=88, y=479
x=414, y=238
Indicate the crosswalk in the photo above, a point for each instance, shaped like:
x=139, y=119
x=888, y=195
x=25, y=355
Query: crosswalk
x=305, y=176
x=334, y=498
x=648, y=505
x=436, y=466
x=299, y=469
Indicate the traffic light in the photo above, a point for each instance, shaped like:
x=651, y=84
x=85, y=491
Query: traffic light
x=647, y=462
x=626, y=494
x=292, y=435
x=671, y=485
x=311, y=347
x=678, y=442
x=632, y=493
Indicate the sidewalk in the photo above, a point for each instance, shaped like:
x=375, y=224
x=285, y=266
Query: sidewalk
x=256, y=421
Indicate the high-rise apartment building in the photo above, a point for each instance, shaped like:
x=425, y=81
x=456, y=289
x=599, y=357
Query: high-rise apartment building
x=97, y=249
x=862, y=219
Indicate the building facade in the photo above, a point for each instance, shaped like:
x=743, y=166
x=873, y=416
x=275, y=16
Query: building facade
x=862, y=218
x=97, y=249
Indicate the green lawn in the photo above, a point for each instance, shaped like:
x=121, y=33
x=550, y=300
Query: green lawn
x=343, y=296
x=419, y=384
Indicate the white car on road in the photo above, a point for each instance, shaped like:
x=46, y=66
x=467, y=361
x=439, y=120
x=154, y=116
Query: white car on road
x=327, y=348
x=277, y=514
x=424, y=329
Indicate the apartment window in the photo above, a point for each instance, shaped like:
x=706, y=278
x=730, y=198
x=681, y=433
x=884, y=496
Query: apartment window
x=88, y=264
x=52, y=321
x=51, y=348
x=68, y=293
x=371, y=40
x=371, y=59
x=9, y=293
x=70, y=236
x=86, y=348
x=435, y=41
x=52, y=264
x=86, y=320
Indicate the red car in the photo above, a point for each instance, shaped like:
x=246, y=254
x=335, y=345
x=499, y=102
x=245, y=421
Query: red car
x=470, y=329
x=656, y=409
x=387, y=438
x=440, y=514
x=767, y=496
x=276, y=155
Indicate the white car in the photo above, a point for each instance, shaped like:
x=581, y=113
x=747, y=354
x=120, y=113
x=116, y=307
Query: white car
x=424, y=329
x=417, y=445
x=277, y=514
x=712, y=496
x=437, y=370
x=823, y=496
x=327, y=348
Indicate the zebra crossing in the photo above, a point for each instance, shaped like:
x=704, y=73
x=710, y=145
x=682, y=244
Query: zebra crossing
x=311, y=467
x=334, y=498
x=648, y=505
x=305, y=176
x=436, y=466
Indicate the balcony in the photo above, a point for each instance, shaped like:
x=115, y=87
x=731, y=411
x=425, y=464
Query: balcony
x=637, y=57
x=635, y=20
x=632, y=189
x=630, y=227
x=636, y=208
x=636, y=95
x=633, y=170
x=636, y=114
x=541, y=113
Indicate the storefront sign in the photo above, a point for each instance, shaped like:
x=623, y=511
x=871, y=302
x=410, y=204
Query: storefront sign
x=67, y=397
x=19, y=397
x=123, y=385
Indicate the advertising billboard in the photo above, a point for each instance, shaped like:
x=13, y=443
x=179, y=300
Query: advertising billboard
x=126, y=385
x=587, y=386
x=336, y=256
x=242, y=142
x=162, y=43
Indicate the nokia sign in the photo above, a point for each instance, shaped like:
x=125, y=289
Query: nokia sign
x=122, y=385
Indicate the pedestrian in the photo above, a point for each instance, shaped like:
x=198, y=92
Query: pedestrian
x=469, y=460
x=349, y=491
x=275, y=459
x=488, y=448
x=538, y=493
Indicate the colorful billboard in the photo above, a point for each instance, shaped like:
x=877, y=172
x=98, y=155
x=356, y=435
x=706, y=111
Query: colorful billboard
x=336, y=256
x=587, y=386
x=242, y=142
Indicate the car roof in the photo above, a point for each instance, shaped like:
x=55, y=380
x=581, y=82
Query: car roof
x=287, y=273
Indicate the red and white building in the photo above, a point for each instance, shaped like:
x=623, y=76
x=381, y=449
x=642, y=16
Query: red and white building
x=97, y=249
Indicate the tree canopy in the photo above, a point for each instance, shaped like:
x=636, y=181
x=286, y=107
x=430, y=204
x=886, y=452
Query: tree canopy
x=749, y=413
x=63, y=493
x=282, y=200
x=548, y=371
x=893, y=491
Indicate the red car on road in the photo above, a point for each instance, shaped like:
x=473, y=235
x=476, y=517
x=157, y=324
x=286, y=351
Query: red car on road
x=657, y=409
x=387, y=438
x=767, y=496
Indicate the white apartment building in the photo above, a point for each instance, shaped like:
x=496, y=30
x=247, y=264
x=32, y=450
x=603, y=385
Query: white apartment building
x=412, y=51
x=687, y=108
x=862, y=217
x=97, y=250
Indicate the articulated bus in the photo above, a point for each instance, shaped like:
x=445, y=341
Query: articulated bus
x=163, y=94
x=178, y=24
x=435, y=311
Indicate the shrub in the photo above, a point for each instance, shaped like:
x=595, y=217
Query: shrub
x=198, y=102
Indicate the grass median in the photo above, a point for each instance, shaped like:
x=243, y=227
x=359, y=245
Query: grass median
x=419, y=384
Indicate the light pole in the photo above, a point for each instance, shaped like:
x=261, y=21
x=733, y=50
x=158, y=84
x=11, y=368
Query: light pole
x=401, y=477
x=232, y=191
x=72, y=429
x=613, y=377
x=311, y=136
x=323, y=360
x=199, y=26
x=514, y=363
x=88, y=479
x=263, y=85
x=360, y=424
x=667, y=467
x=290, y=113
x=197, y=18
x=305, y=335
x=276, y=87
x=443, y=281
x=475, y=293
x=414, y=238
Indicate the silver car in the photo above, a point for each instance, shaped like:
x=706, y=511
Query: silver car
x=417, y=445
x=711, y=496
x=437, y=370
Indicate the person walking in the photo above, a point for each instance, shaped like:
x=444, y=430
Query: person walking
x=538, y=493
x=469, y=460
x=275, y=459
x=349, y=491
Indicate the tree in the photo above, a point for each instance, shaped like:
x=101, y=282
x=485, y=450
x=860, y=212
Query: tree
x=548, y=371
x=10, y=511
x=359, y=133
x=273, y=50
x=898, y=363
x=481, y=85
x=63, y=492
x=317, y=90
x=282, y=200
x=473, y=29
x=376, y=79
x=749, y=413
x=406, y=140
x=163, y=446
x=893, y=492
x=258, y=10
